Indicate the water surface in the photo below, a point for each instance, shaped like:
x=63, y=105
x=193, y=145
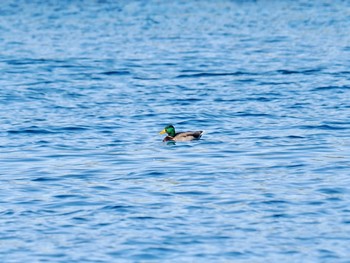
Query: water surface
x=87, y=85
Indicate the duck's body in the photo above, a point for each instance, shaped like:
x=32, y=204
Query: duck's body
x=180, y=136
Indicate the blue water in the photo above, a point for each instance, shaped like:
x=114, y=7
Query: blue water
x=87, y=85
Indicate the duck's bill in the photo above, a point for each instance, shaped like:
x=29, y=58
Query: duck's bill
x=163, y=131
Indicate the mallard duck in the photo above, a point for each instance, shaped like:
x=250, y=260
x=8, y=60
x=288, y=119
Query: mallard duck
x=180, y=136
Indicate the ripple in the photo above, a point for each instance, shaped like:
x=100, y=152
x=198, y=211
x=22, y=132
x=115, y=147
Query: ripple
x=322, y=127
x=331, y=88
x=116, y=73
x=333, y=190
x=203, y=75
x=305, y=72
x=31, y=130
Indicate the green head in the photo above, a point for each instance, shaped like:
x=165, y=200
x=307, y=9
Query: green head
x=170, y=130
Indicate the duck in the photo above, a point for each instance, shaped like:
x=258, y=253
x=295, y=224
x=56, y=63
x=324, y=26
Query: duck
x=180, y=136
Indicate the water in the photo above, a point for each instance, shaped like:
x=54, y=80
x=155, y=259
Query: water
x=87, y=85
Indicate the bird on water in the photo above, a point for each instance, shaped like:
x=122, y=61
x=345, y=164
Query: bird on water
x=180, y=136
